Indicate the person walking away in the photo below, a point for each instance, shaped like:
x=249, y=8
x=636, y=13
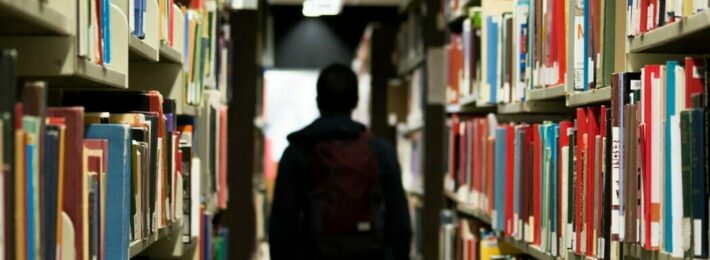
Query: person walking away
x=338, y=192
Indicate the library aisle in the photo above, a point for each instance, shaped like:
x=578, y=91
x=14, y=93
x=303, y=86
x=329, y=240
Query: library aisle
x=522, y=129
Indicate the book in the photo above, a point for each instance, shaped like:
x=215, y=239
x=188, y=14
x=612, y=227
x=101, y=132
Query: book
x=72, y=203
x=53, y=159
x=8, y=100
x=118, y=185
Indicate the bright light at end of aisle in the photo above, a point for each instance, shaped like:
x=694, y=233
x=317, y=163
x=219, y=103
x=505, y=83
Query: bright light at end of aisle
x=316, y=8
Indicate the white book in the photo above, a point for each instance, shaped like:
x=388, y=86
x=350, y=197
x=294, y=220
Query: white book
x=657, y=143
x=83, y=27
x=699, y=6
x=564, y=229
x=131, y=16
x=195, y=196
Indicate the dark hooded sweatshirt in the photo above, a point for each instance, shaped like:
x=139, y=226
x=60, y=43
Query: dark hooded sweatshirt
x=286, y=231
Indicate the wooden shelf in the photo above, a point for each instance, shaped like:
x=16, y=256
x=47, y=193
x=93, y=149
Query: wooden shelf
x=35, y=17
x=141, y=51
x=531, y=107
x=170, y=54
x=690, y=35
x=56, y=58
x=594, y=96
x=556, y=92
x=138, y=246
x=476, y=214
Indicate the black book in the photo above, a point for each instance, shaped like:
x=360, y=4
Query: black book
x=8, y=100
x=606, y=218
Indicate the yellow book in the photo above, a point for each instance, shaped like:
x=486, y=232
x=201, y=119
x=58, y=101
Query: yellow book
x=687, y=7
x=60, y=191
x=162, y=20
x=20, y=185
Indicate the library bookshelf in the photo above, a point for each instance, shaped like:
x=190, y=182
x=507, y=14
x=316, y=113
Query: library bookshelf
x=47, y=50
x=500, y=88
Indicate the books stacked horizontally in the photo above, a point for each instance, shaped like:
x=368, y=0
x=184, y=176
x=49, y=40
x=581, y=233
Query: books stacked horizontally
x=84, y=178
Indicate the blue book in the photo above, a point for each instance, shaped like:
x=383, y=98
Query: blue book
x=30, y=202
x=118, y=189
x=50, y=179
x=492, y=77
x=31, y=125
x=700, y=197
x=545, y=196
x=668, y=191
x=499, y=178
x=139, y=14
x=552, y=138
x=106, y=29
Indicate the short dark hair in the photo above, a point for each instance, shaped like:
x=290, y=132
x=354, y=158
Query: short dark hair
x=337, y=89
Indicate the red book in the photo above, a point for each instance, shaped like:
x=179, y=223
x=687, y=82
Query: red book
x=644, y=15
x=579, y=170
x=561, y=41
x=223, y=189
x=491, y=172
x=475, y=155
x=96, y=152
x=694, y=80
x=592, y=132
x=453, y=147
x=527, y=174
x=650, y=72
x=509, y=179
x=537, y=184
x=73, y=170
x=463, y=152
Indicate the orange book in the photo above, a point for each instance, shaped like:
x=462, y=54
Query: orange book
x=21, y=229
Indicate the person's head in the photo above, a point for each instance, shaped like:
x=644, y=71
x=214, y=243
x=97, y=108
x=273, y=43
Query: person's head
x=337, y=90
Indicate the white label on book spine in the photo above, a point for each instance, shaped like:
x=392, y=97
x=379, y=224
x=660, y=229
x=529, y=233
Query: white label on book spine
x=697, y=236
x=615, y=182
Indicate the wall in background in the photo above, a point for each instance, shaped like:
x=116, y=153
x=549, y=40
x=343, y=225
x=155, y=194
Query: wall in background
x=312, y=43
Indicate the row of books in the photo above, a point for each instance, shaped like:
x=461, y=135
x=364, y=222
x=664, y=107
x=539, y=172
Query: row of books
x=94, y=30
x=646, y=15
x=506, y=47
x=631, y=172
x=206, y=55
x=166, y=19
x=87, y=172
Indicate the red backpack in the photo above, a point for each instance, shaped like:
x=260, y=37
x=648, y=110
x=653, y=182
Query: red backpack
x=345, y=213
